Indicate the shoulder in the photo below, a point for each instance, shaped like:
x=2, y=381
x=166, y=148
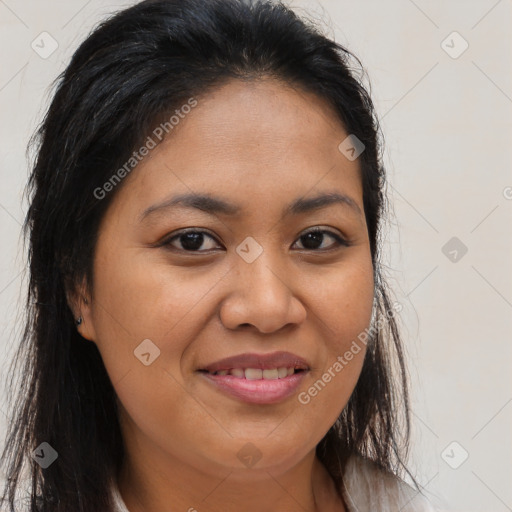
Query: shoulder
x=366, y=487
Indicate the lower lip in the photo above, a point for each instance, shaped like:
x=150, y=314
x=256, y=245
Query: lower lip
x=260, y=391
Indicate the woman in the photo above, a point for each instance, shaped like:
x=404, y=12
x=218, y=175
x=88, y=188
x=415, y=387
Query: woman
x=208, y=327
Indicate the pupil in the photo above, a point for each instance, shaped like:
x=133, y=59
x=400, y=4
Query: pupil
x=311, y=237
x=192, y=241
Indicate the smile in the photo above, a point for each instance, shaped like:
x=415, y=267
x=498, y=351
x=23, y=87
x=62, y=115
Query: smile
x=256, y=386
x=258, y=373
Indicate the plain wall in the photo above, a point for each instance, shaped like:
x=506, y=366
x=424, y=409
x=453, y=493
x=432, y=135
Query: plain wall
x=447, y=124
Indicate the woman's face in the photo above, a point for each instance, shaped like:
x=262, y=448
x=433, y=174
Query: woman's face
x=165, y=307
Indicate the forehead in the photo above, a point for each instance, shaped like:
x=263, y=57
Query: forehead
x=257, y=141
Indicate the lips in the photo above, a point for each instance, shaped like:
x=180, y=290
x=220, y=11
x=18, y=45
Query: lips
x=257, y=378
x=264, y=364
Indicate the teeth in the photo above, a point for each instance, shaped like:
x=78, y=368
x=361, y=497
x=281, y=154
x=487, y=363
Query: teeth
x=282, y=372
x=271, y=374
x=253, y=373
x=258, y=373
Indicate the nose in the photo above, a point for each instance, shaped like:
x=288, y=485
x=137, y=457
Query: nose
x=261, y=295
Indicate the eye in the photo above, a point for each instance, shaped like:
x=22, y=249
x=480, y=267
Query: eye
x=316, y=236
x=192, y=240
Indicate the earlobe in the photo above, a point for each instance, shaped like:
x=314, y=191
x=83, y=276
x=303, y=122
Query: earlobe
x=84, y=321
x=79, y=302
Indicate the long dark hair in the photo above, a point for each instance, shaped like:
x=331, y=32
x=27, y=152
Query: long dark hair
x=131, y=72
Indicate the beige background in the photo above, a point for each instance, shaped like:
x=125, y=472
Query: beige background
x=446, y=122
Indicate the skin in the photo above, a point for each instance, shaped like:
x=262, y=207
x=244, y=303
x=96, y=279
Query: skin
x=260, y=144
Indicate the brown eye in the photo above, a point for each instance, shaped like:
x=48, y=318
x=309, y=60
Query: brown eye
x=190, y=241
x=315, y=238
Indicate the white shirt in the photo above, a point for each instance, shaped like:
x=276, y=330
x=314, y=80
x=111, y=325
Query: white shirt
x=365, y=489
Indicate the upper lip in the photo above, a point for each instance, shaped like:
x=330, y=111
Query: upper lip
x=262, y=361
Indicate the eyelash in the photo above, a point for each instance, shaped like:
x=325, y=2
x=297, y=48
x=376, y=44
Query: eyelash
x=340, y=241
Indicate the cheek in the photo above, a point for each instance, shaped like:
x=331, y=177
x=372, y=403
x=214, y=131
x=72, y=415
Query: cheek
x=138, y=299
x=344, y=308
x=344, y=302
x=157, y=405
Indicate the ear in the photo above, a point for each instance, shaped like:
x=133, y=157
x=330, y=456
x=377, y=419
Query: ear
x=80, y=302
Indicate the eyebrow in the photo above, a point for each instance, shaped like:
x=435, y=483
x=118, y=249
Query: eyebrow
x=215, y=205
